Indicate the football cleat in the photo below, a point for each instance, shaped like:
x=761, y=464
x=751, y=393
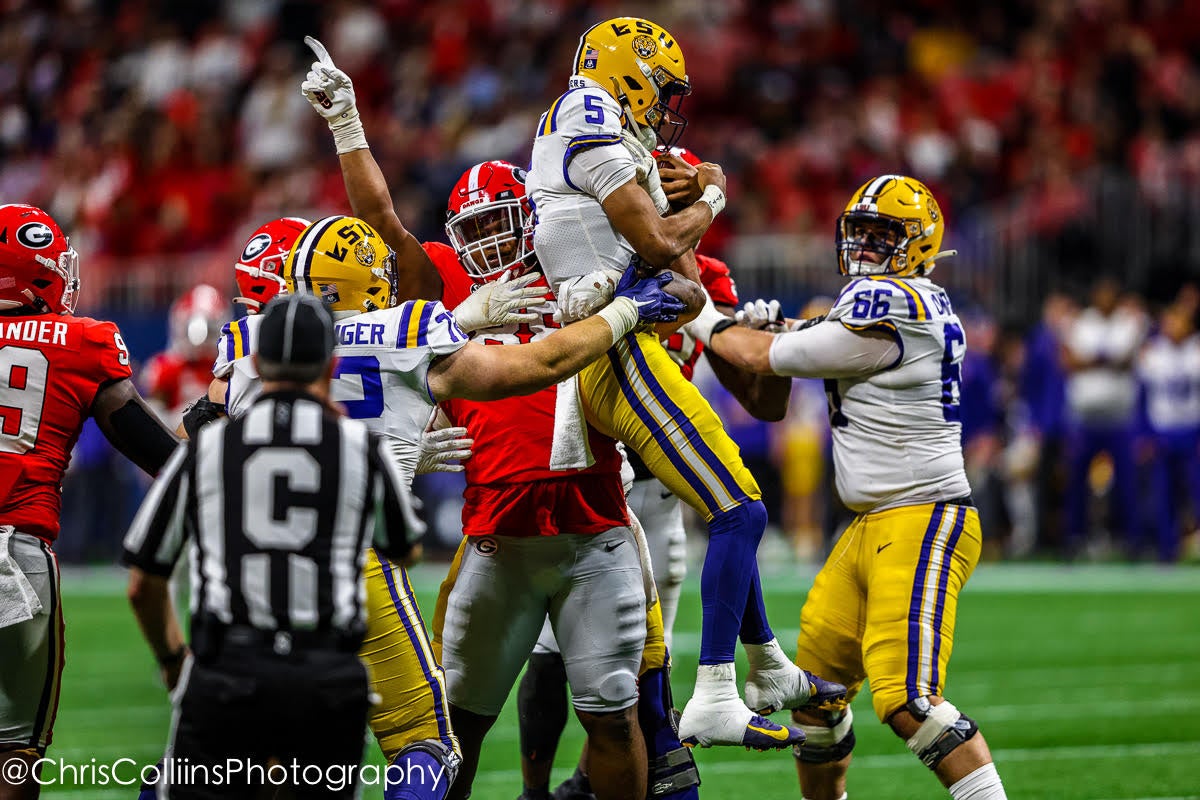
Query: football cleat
x=729, y=723
x=771, y=690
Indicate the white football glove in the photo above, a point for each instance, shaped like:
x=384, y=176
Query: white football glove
x=496, y=303
x=441, y=450
x=581, y=297
x=761, y=315
x=647, y=171
x=331, y=93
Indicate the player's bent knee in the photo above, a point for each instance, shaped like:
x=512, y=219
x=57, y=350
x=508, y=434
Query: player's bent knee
x=423, y=770
x=943, y=729
x=615, y=691
x=828, y=742
x=613, y=726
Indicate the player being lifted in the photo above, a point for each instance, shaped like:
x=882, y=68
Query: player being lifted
x=883, y=606
x=56, y=370
x=598, y=199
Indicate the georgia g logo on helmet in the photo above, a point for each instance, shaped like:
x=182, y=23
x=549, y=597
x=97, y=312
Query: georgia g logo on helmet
x=35, y=235
x=255, y=246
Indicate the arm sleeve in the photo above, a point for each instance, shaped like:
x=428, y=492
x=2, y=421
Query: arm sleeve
x=397, y=527
x=831, y=350
x=156, y=537
x=601, y=169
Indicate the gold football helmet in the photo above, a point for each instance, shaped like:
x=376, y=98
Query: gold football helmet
x=891, y=226
x=343, y=261
x=641, y=65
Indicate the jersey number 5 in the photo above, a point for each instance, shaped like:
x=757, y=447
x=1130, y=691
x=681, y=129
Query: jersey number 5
x=23, y=374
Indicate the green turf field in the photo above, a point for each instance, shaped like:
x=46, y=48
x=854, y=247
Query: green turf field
x=1086, y=682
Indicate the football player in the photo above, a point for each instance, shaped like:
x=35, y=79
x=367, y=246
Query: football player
x=394, y=363
x=56, y=370
x=660, y=514
x=184, y=370
x=883, y=606
x=594, y=183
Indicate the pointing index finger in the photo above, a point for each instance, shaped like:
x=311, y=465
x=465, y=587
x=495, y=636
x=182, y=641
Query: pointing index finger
x=319, y=51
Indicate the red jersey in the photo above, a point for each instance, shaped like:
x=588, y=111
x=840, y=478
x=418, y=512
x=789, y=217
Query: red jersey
x=50, y=370
x=715, y=277
x=172, y=382
x=511, y=490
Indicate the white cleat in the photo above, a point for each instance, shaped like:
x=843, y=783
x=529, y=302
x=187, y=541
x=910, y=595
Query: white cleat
x=775, y=683
x=716, y=716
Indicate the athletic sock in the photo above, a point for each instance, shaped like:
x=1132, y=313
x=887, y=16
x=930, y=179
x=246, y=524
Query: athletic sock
x=982, y=784
x=727, y=577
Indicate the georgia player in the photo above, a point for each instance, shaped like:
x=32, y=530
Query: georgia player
x=182, y=371
x=56, y=370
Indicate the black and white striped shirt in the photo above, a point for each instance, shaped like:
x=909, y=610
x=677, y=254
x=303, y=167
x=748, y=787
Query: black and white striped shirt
x=278, y=508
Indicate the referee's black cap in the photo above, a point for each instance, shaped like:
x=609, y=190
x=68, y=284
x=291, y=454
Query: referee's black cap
x=295, y=339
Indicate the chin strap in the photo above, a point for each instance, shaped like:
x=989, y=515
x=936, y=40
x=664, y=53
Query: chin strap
x=931, y=263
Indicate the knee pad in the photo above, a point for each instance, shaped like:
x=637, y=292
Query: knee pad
x=943, y=729
x=826, y=744
x=423, y=770
x=673, y=773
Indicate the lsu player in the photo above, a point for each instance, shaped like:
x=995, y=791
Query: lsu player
x=56, y=370
x=182, y=371
x=598, y=202
x=883, y=606
x=395, y=362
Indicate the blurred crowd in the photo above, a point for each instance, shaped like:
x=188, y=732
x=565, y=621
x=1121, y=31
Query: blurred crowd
x=1061, y=136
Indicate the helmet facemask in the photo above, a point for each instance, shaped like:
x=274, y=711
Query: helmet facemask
x=491, y=238
x=869, y=243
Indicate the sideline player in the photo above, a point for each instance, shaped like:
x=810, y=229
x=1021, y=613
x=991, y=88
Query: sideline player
x=56, y=370
x=182, y=371
x=883, y=606
x=598, y=198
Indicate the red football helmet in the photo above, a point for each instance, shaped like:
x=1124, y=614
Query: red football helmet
x=259, y=271
x=488, y=220
x=195, y=320
x=38, y=266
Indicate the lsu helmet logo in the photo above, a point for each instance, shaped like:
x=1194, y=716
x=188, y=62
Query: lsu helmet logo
x=35, y=235
x=364, y=253
x=644, y=46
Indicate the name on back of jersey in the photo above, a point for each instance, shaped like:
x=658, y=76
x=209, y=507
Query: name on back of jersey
x=42, y=331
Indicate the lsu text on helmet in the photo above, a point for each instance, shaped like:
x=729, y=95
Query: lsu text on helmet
x=891, y=226
x=642, y=66
x=345, y=263
x=38, y=267
x=488, y=220
x=259, y=269
x=194, y=322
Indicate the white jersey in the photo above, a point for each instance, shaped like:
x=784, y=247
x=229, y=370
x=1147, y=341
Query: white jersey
x=897, y=439
x=383, y=358
x=579, y=158
x=1170, y=376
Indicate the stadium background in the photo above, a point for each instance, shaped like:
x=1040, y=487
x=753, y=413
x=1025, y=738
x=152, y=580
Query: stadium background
x=1062, y=139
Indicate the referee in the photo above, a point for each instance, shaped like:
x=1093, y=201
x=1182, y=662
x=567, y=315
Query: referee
x=278, y=508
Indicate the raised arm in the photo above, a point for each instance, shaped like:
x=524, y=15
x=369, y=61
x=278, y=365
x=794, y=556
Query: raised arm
x=331, y=93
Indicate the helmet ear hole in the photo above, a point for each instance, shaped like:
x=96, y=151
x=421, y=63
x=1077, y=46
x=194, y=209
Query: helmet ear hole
x=633, y=85
x=41, y=283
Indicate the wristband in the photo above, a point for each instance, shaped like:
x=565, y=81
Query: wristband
x=173, y=659
x=348, y=133
x=722, y=325
x=621, y=315
x=714, y=198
